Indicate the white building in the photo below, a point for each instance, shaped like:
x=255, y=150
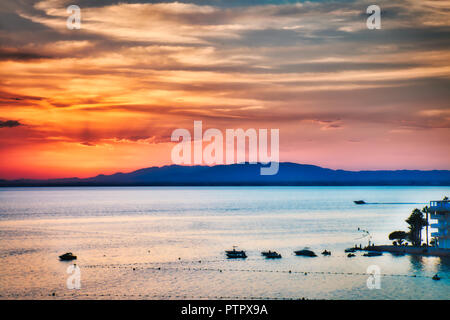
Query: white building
x=440, y=211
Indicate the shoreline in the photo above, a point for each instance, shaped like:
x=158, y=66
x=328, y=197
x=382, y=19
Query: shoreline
x=425, y=251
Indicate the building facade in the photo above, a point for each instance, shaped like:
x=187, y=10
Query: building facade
x=440, y=211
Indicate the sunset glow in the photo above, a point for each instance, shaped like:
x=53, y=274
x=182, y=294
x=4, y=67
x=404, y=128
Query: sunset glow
x=107, y=97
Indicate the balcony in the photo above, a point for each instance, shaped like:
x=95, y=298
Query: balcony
x=436, y=225
x=436, y=234
x=440, y=217
x=440, y=206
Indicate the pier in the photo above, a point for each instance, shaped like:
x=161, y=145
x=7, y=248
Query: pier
x=425, y=251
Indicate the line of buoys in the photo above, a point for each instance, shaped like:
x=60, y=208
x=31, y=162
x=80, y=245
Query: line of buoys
x=155, y=296
x=436, y=277
x=190, y=262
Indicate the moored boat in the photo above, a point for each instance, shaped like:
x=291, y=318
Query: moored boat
x=271, y=254
x=67, y=256
x=372, y=254
x=305, y=252
x=235, y=253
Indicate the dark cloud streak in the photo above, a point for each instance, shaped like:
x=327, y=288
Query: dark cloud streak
x=10, y=124
x=20, y=55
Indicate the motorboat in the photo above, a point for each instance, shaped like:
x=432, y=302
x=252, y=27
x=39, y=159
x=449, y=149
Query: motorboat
x=359, y=202
x=305, y=252
x=235, y=253
x=271, y=254
x=67, y=256
x=372, y=254
x=326, y=253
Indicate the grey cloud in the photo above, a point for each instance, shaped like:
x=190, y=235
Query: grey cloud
x=10, y=124
x=20, y=55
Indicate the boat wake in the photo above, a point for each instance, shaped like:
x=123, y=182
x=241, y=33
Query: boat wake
x=396, y=203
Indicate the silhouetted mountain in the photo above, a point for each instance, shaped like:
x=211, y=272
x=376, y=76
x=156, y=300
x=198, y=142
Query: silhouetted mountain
x=248, y=174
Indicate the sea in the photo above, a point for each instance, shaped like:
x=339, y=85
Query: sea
x=169, y=243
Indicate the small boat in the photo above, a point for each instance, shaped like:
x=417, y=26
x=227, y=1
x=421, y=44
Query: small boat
x=235, y=253
x=326, y=253
x=372, y=254
x=67, y=256
x=359, y=202
x=436, y=277
x=305, y=252
x=271, y=254
x=350, y=255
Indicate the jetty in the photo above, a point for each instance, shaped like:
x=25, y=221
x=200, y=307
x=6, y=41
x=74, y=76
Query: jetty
x=424, y=251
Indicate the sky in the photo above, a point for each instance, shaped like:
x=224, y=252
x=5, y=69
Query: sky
x=107, y=97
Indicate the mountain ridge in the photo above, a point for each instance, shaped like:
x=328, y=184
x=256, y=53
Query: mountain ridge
x=289, y=174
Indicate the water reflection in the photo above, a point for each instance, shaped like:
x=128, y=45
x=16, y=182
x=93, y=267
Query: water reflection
x=429, y=264
x=123, y=235
x=416, y=263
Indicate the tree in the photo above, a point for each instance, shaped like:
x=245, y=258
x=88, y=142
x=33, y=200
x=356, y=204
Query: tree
x=416, y=223
x=433, y=241
x=399, y=236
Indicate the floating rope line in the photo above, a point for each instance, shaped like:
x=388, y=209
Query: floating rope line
x=200, y=261
x=304, y=272
x=154, y=296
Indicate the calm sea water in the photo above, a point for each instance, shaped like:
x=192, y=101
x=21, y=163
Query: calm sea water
x=168, y=243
